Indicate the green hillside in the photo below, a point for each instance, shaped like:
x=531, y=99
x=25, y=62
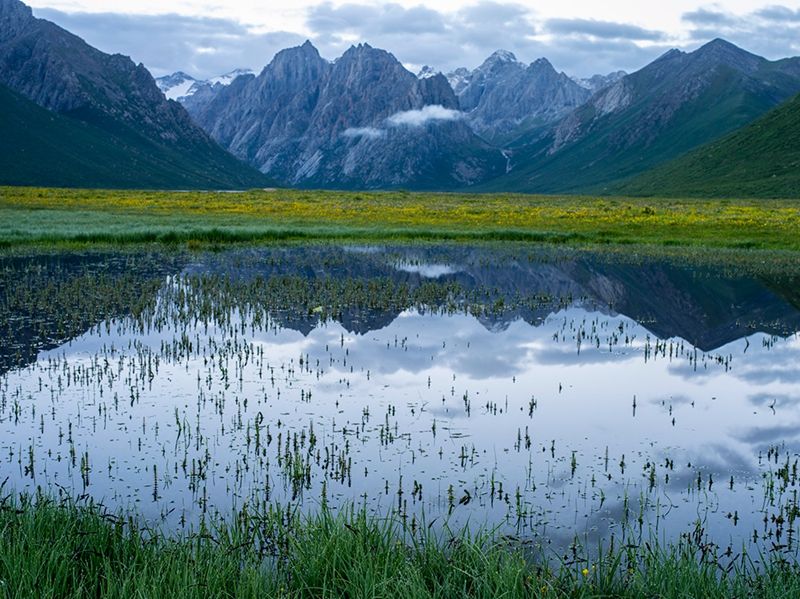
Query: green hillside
x=759, y=160
x=674, y=105
x=42, y=148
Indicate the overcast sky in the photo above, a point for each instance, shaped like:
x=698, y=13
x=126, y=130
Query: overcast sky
x=581, y=37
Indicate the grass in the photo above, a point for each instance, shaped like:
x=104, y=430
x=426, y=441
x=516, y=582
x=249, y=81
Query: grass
x=50, y=549
x=759, y=160
x=38, y=216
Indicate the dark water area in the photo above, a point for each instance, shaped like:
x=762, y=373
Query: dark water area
x=547, y=394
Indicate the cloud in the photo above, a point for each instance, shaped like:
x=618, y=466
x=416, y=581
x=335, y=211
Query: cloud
x=781, y=14
x=386, y=18
x=201, y=46
x=418, y=35
x=367, y=132
x=418, y=118
x=603, y=29
x=406, y=118
x=772, y=31
x=707, y=17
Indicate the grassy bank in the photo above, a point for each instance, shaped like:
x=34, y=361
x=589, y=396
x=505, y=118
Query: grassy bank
x=31, y=216
x=53, y=550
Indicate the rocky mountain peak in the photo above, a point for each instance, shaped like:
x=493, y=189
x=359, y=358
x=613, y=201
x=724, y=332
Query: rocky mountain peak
x=297, y=64
x=14, y=16
x=498, y=60
x=365, y=52
x=669, y=55
x=15, y=7
x=459, y=79
x=542, y=66
x=720, y=51
x=296, y=54
x=426, y=72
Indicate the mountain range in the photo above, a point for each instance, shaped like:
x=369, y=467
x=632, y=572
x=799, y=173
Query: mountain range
x=79, y=117
x=557, y=134
x=360, y=121
x=675, y=104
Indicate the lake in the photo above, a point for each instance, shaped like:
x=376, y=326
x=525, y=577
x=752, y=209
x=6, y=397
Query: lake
x=547, y=394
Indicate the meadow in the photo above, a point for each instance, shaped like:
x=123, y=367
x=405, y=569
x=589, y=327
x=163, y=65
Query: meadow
x=539, y=371
x=56, y=216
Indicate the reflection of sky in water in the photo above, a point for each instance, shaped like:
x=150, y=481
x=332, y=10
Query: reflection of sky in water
x=430, y=400
x=427, y=271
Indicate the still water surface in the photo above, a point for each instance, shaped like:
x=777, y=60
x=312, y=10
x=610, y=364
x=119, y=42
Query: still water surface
x=548, y=395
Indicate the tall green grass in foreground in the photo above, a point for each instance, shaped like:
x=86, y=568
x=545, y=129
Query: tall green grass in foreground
x=50, y=550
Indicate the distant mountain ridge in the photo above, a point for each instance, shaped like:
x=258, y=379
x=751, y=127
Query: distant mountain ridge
x=503, y=94
x=61, y=73
x=676, y=103
x=180, y=86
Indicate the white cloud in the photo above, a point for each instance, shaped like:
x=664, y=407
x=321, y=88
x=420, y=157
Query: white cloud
x=368, y=132
x=418, y=118
x=580, y=37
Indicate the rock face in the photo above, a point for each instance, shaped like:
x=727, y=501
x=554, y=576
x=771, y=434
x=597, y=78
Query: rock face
x=503, y=95
x=361, y=121
x=671, y=106
x=597, y=83
x=61, y=73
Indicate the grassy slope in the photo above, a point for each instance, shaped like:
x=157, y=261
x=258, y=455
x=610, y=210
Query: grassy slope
x=39, y=147
x=597, y=162
x=760, y=160
x=47, y=216
x=50, y=551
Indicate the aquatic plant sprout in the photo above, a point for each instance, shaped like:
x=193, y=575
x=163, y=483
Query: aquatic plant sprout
x=549, y=399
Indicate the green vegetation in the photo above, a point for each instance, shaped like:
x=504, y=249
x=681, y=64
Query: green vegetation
x=760, y=160
x=50, y=549
x=52, y=216
x=40, y=147
x=625, y=143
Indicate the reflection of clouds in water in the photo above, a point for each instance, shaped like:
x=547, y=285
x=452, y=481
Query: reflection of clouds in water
x=427, y=271
x=570, y=355
x=787, y=374
x=363, y=249
x=776, y=400
x=760, y=436
x=672, y=401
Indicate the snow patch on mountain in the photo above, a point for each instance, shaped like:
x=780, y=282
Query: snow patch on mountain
x=180, y=86
x=427, y=72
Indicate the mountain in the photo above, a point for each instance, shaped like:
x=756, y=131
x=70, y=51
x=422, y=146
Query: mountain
x=180, y=86
x=675, y=104
x=114, y=106
x=362, y=121
x=39, y=147
x=458, y=79
x=503, y=94
x=760, y=160
x=596, y=83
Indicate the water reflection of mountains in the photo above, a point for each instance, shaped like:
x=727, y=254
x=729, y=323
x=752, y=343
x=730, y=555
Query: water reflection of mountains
x=706, y=307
